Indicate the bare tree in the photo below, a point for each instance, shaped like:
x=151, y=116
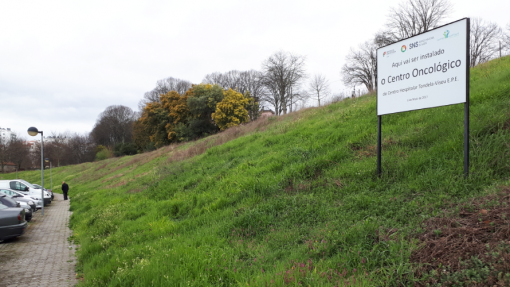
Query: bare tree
x=74, y=149
x=215, y=78
x=298, y=99
x=18, y=152
x=57, y=146
x=241, y=81
x=483, y=41
x=4, y=153
x=506, y=38
x=413, y=17
x=164, y=86
x=80, y=148
x=282, y=74
x=251, y=81
x=232, y=80
x=319, y=87
x=383, y=38
x=114, y=125
x=361, y=66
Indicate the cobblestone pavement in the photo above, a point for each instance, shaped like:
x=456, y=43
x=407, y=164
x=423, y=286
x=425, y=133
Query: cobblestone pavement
x=42, y=256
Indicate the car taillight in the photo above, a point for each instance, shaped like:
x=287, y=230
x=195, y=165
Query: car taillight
x=19, y=217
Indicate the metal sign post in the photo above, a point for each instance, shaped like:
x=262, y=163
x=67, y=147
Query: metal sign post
x=379, y=145
x=466, y=105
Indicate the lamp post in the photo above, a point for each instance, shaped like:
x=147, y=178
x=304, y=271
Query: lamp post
x=51, y=176
x=33, y=131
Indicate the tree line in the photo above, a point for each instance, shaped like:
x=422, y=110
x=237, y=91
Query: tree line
x=12, y=151
x=410, y=18
x=59, y=148
x=176, y=110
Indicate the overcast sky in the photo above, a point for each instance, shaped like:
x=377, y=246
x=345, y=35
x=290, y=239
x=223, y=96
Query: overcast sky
x=63, y=62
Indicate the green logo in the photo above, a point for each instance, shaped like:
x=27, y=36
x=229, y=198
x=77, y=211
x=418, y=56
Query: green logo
x=403, y=49
x=446, y=33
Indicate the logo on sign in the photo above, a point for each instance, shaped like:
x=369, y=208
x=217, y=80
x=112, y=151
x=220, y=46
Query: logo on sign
x=403, y=49
x=413, y=45
x=448, y=35
x=388, y=53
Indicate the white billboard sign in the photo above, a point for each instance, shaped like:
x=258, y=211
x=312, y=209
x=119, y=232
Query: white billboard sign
x=425, y=71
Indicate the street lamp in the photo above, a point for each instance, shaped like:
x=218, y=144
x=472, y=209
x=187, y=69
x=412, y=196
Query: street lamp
x=33, y=131
x=51, y=177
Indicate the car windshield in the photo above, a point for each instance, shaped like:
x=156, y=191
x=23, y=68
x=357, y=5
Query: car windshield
x=8, y=201
x=8, y=192
x=28, y=184
x=12, y=192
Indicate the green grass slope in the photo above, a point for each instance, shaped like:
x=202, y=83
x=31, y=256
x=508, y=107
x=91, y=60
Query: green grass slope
x=295, y=202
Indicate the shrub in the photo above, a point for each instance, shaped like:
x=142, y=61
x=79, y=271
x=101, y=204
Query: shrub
x=103, y=154
x=125, y=149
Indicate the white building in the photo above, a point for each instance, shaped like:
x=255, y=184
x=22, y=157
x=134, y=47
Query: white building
x=6, y=134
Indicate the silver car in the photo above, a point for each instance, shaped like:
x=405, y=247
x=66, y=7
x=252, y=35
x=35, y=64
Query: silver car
x=9, y=202
x=18, y=196
x=12, y=222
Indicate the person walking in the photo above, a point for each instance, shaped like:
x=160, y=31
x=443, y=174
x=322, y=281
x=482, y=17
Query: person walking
x=65, y=189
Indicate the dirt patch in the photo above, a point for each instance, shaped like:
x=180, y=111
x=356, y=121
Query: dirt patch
x=474, y=244
x=101, y=166
x=308, y=185
x=120, y=183
x=135, y=190
x=113, y=177
x=506, y=125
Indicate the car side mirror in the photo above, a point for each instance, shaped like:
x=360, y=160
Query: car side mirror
x=26, y=188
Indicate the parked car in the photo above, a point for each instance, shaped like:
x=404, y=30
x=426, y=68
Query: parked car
x=28, y=211
x=9, y=202
x=12, y=222
x=26, y=188
x=47, y=190
x=20, y=197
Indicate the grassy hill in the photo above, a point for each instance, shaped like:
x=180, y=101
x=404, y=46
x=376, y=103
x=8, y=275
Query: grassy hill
x=292, y=200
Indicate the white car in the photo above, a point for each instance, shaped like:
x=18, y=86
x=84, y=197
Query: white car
x=26, y=188
x=18, y=196
x=47, y=190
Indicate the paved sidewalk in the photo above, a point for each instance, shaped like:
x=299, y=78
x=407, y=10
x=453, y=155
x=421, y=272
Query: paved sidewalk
x=42, y=256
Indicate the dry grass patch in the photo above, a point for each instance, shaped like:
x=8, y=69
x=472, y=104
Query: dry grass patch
x=218, y=139
x=481, y=231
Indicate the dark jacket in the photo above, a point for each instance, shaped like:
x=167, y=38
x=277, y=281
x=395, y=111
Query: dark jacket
x=65, y=187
